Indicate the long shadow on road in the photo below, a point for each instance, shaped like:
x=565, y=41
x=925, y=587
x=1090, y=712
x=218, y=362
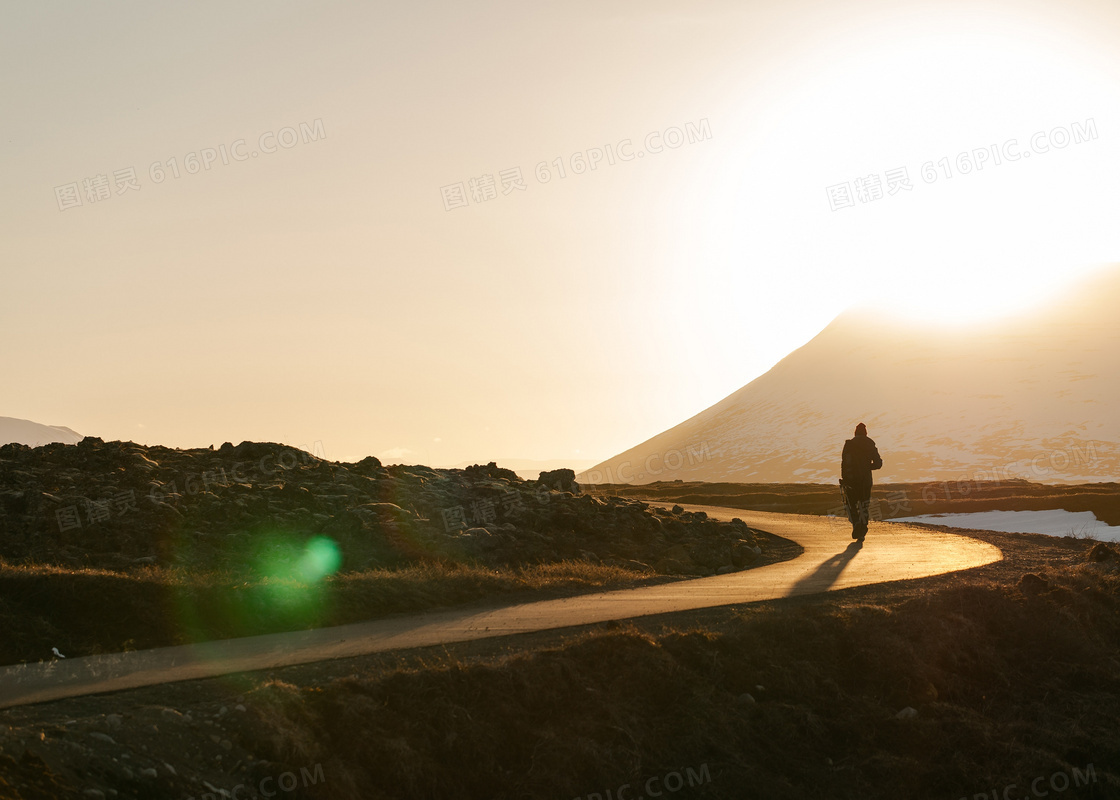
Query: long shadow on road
x=823, y=577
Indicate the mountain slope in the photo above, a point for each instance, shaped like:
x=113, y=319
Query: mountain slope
x=24, y=431
x=1034, y=396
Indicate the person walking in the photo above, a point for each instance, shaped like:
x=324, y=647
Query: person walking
x=859, y=458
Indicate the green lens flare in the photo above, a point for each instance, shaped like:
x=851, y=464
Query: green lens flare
x=276, y=581
x=321, y=558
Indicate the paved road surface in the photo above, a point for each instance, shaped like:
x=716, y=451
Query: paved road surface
x=831, y=561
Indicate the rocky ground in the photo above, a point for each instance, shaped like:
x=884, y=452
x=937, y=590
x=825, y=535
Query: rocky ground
x=110, y=546
x=113, y=505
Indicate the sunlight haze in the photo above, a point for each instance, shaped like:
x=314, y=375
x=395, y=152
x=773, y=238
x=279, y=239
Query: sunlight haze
x=323, y=281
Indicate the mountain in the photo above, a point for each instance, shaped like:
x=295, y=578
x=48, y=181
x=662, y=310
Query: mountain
x=1036, y=396
x=528, y=468
x=24, y=431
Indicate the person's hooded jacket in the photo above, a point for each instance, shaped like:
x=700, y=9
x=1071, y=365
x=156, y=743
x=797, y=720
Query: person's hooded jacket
x=859, y=458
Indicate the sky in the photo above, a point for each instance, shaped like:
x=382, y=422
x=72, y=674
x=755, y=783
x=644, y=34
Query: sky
x=376, y=227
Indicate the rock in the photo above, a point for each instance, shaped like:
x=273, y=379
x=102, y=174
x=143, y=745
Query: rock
x=149, y=772
x=96, y=794
x=113, y=721
x=171, y=715
x=676, y=561
x=727, y=569
x=368, y=466
x=563, y=480
x=239, y=707
x=170, y=768
x=745, y=699
x=906, y=713
x=743, y=554
x=1032, y=585
x=492, y=470
x=1102, y=552
x=102, y=737
x=677, y=510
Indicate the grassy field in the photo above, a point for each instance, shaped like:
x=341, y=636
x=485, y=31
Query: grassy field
x=90, y=611
x=1012, y=672
x=891, y=499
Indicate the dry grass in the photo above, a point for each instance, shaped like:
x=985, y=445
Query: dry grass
x=1013, y=668
x=1009, y=683
x=86, y=611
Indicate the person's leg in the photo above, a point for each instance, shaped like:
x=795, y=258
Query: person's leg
x=864, y=508
x=852, y=505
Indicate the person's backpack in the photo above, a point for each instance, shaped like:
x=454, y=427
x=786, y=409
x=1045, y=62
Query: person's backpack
x=848, y=465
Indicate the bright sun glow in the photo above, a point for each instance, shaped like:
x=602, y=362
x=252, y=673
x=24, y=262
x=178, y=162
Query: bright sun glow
x=1006, y=202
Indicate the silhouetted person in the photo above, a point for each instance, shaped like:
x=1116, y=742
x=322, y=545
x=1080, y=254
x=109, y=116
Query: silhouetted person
x=860, y=457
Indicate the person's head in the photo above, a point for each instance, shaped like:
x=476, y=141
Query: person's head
x=861, y=430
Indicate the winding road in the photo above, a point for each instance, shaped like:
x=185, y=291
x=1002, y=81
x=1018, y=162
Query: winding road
x=831, y=561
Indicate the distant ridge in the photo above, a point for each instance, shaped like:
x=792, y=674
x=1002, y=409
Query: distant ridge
x=33, y=434
x=1036, y=396
x=528, y=468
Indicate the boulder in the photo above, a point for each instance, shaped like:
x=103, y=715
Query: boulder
x=492, y=470
x=1102, y=552
x=368, y=466
x=743, y=554
x=1031, y=584
x=563, y=480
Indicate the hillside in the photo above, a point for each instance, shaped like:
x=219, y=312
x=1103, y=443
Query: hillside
x=1032, y=397
x=23, y=431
